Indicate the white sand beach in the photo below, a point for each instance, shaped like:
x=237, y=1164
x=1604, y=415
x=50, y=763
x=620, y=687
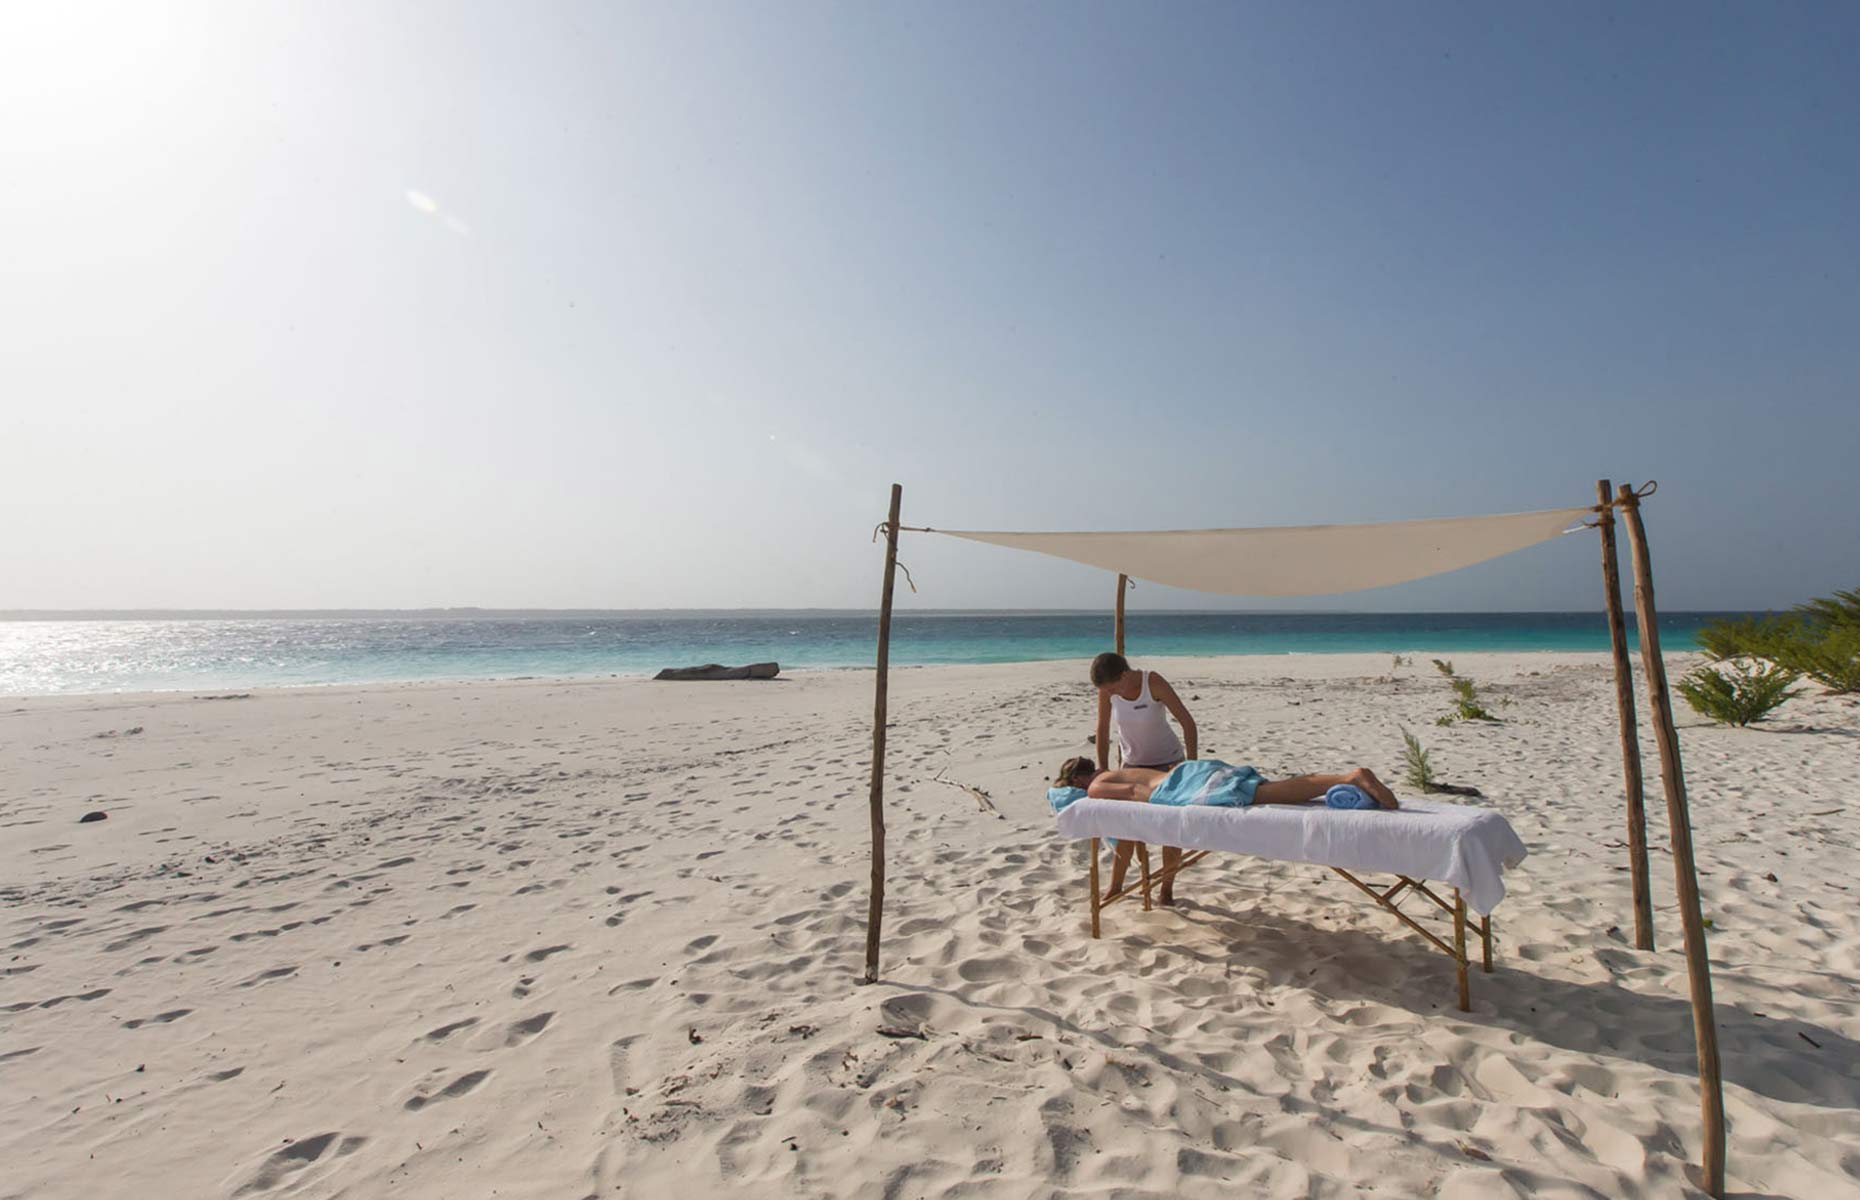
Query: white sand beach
x=601, y=938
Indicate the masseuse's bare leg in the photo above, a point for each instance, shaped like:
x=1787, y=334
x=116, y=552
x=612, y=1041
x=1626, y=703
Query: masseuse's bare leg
x=1125, y=783
x=1172, y=862
x=1301, y=788
x=1120, y=862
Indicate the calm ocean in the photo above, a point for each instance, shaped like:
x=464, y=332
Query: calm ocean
x=39, y=657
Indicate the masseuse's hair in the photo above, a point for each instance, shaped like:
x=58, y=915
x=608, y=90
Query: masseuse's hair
x=1071, y=767
x=1108, y=668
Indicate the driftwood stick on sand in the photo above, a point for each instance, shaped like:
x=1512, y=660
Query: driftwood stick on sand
x=982, y=799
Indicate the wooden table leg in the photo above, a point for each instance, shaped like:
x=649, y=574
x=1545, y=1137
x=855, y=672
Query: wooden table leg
x=1143, y=861
x=1485, y=936
x=1095, y=903
x=1459, y=949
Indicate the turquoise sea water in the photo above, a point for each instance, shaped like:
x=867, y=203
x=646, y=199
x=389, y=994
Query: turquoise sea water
x=39, y=657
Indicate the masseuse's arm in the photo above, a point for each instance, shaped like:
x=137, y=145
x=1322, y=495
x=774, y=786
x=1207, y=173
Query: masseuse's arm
x=1103, y=740
x=1159, y=688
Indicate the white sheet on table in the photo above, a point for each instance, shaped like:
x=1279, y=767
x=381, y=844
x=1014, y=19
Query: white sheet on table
x=1459, y=844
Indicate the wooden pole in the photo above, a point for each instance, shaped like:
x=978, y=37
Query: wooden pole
x=1096, y=904
x=1685, y=873
x=1117, y=621
x=876, y=913
x=1459, y=950
x=1630, y=738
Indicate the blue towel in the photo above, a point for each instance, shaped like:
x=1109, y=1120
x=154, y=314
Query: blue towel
x=1207, y=781
x=1348, y=795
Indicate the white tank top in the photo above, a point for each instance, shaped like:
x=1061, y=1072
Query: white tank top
x=1143, y=730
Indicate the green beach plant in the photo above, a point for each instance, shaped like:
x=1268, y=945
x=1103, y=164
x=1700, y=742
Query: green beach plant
x=1746, y=637
x=1738, y=692
x=1466, y=703
x=1820, y=639
x=1839, y=611
x=1417, y=771
x=1830, y=656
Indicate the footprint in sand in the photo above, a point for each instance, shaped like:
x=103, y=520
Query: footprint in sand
x=173, y=1014
x=545, y=952
x=283, y=1164
x=267, y=976
x=445, y=1031
x=616, y=1063
x=55, y=1001
x=463, y=1085
x=131, y=939
x=519, y=1032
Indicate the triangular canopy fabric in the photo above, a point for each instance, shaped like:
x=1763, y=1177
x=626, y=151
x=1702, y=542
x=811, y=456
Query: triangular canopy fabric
x=1296, y=560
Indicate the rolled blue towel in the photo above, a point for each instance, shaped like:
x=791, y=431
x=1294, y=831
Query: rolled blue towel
x=1348, y=795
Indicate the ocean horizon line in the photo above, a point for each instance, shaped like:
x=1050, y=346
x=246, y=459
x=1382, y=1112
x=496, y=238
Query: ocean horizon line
x=160, y=650
x=474, y=611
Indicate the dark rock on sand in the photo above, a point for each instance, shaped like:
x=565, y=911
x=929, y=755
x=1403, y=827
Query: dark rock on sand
x=88, y=817
x=767, y=670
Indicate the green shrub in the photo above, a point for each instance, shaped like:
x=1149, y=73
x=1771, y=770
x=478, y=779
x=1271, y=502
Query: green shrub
x=1746, y=637
x=1740, y=692
x=1828, y=655
x=1417, y=771
x=1839, y=611
x=1445, y=668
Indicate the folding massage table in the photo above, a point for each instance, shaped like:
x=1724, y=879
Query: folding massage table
x=1466, y=847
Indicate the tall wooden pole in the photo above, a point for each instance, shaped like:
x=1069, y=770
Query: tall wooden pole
x=1117, y=621
x=876, y=913
x=1630, y=738
x=1685, y=873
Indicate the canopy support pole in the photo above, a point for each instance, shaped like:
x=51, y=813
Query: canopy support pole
x=1117, y=620
x=1630, y=737
x=876, y=913
x=1685, y=872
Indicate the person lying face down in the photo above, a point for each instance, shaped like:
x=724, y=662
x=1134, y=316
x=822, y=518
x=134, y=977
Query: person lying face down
x=1141, y=783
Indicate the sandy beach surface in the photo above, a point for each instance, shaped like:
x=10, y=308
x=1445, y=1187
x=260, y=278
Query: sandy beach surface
x=600, y=938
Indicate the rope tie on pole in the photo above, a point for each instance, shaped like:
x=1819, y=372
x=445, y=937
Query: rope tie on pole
x=1629, y=498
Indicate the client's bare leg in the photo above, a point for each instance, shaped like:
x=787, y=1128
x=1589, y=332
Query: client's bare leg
x=1300, y=788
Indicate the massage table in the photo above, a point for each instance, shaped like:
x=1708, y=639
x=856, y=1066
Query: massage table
x=1457, y=844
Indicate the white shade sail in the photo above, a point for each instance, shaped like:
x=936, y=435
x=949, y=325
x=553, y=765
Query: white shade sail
x=1296, y=560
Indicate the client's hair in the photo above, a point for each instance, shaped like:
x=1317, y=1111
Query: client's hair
x=1069, y=769
x=1108, y=668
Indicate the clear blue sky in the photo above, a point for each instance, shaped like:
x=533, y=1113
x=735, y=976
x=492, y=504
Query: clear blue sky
x=335, y=304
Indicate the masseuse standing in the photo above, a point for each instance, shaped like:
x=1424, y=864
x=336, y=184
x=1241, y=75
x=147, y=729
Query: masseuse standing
x=1140, y=704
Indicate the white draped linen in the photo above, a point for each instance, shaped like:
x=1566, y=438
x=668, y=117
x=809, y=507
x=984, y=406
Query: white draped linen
x=1461, y=844
x=1295, y=560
